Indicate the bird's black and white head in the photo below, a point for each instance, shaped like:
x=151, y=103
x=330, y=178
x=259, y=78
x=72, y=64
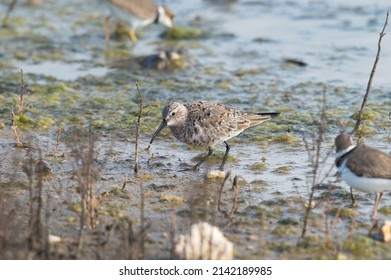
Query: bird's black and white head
x=165, y=16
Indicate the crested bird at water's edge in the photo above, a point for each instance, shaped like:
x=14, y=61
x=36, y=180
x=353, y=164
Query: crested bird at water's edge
x=363, y=168
x=205, y=124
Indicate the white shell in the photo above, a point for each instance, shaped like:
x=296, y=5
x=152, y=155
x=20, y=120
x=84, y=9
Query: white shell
x=204, y=242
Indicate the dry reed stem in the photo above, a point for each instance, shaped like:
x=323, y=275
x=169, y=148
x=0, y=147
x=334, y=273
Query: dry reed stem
x=84, y=153
x=20, y=101
x=11, y=7
x=366, y=96
x=124, y=183
x=368, y=90
x=22, y=106
x=128, y=249
x=36, y=237
x=15, y=129
x=315, y=160
x=58, y=135
x=139, y=116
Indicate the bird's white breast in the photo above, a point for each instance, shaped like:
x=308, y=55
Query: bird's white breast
x=363, y=184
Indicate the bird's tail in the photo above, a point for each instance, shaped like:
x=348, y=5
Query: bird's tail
x=270, y=115
x=258, y=118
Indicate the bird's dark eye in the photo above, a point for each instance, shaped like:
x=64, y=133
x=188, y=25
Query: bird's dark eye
x=173, y=114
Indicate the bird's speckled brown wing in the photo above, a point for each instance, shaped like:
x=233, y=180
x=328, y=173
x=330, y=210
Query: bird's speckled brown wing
x=378, y=165
x=215, y=117
x=144, y=9
x=218, y=123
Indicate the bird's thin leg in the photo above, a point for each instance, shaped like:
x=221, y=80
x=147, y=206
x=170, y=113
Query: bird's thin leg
x=352, y=197
x=377, y=202
x=106, y=29
x=197, y=166
x=227, y=148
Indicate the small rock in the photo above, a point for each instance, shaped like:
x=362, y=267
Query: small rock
x=312, y=206
x=176, y=200
x=42, y=168
x=253, y=237
x=204, y=242
x=215, y=174
x=341, y=256
x=70, y=219
x=295, y=62
x=262, y=40
x=54, y=239
x=381, y=231
x=385, y=231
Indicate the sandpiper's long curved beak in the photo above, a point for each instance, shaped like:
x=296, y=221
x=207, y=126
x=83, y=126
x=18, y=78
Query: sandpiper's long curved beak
x=162, y=125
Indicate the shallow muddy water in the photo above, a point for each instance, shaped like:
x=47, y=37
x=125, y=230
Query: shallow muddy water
x=251, y=55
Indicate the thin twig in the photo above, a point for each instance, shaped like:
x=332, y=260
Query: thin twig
x=315, y=161
x=11, y=7
x=366, y=96
x=125, y=181
x=15, y=129
x=139, y=115
x=58, y=135
x=21, y=100
x=84, y=153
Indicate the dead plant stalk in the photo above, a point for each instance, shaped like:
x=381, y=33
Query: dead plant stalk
x=366, y=96
x=139, y=116
x=315, y=160
x=11, y=7
x=21, y=99
x=15, y=129
x=58, y=135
